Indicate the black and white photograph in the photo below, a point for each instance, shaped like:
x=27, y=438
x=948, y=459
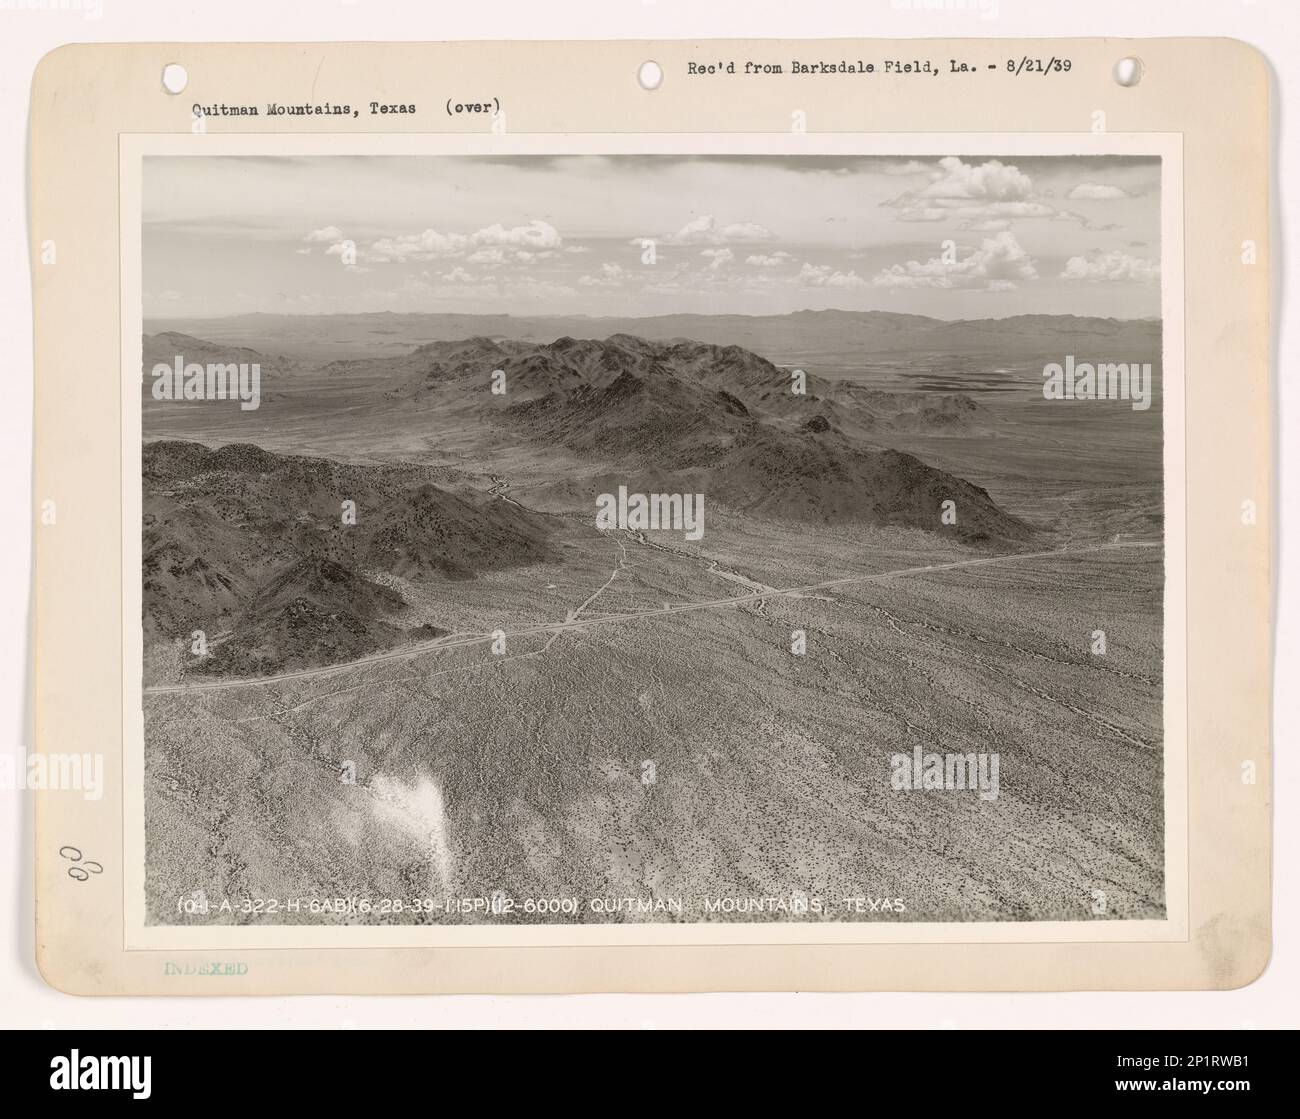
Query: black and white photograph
x=650, y=517
x=671, y=539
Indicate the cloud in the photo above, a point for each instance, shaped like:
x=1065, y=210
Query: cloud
x=746, y=231
x=1084, y=221
x=536, y=235
x=972, y=193
x=999, y=264
x=989, y=197
x=824, y=276
x=1096, y=192
x=1115, y=266
x=717, y=257
x=328, y=233
x=991, y=181
x=430, y=244
x=769, y=260
x=610, y=275
x=704, y=230
x=947, y=210
x=986, y=225
x=494, y=254
x=911, y=167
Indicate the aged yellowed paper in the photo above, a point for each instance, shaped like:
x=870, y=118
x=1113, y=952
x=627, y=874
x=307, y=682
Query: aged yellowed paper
x=804, y=524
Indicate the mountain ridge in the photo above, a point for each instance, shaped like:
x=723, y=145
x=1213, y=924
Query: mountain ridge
x=799, y=336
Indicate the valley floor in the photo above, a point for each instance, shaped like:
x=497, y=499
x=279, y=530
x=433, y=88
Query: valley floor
x=644, y=730
x=630, y=742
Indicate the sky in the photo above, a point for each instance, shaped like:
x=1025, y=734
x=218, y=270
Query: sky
x=948, y=236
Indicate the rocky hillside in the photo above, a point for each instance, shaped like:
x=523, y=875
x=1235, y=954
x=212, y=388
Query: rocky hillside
x=252, y=548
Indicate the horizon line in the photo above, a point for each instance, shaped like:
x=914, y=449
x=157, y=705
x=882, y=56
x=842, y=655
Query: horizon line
x=665, y=315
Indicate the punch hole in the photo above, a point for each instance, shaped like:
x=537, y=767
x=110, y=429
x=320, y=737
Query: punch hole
x=175, y=78
x=1128, y=71
x=650, y=75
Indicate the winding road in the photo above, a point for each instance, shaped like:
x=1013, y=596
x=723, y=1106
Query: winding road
x=574, y=622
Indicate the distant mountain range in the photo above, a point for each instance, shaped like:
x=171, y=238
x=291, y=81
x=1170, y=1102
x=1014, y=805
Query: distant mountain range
x=722, y=414
x=626, y=394
x=800, y=336
x=252, y=547
x=721, y=417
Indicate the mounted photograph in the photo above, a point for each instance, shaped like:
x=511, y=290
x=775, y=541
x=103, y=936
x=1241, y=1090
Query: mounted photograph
x=683, y=544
